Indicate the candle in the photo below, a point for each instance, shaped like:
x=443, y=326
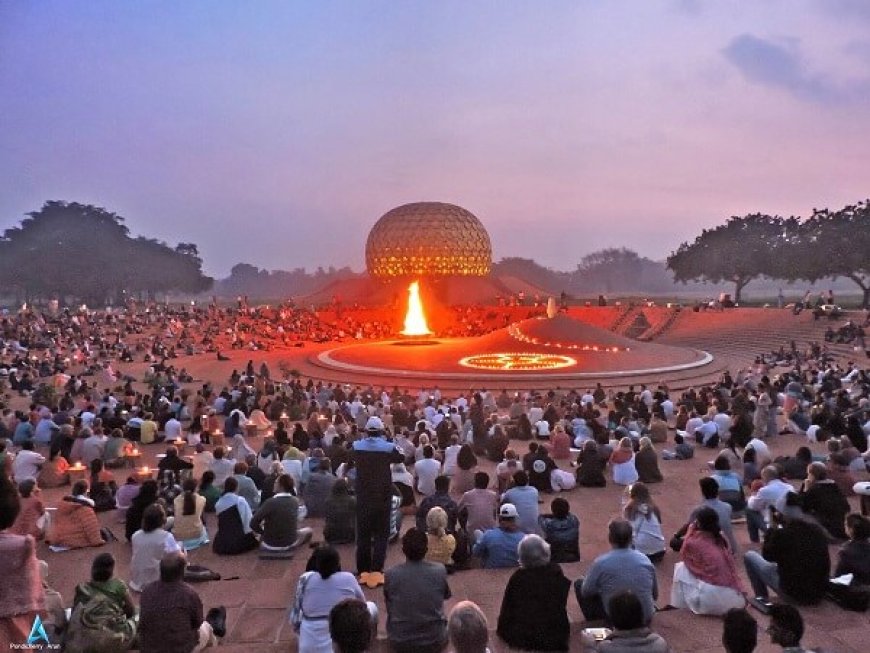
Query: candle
x=135, y=452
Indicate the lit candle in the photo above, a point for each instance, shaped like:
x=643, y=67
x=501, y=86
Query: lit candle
x=135, y=452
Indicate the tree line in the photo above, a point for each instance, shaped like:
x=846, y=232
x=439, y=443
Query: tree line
x=828, y=244
x=73, y=251
x=83, y=252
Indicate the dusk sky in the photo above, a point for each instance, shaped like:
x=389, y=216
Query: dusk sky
x=276, y=133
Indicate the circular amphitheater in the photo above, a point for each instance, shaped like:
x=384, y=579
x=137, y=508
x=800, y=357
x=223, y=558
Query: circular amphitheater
x=538, y=352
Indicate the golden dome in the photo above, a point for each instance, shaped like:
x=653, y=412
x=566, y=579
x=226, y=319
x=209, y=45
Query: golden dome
x=428, y=239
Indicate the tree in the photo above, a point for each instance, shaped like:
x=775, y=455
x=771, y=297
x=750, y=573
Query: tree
x=837, y=244
x=67, y=249
x=742, y=249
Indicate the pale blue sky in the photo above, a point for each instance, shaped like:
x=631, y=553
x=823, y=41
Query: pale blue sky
x=276, y=133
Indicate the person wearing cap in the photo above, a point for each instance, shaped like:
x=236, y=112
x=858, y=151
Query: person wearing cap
x=373, y=456
x=497, y=547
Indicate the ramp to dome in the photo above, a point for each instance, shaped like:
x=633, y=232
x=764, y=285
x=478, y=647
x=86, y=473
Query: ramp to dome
x=563, y=332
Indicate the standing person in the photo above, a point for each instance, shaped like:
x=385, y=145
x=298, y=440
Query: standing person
x=415, y=592
x=373, y=456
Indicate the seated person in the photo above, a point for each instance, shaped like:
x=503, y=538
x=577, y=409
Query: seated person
x=730, y=485
x=618, y=570
x=31, y=518
x=739, y=631
x=647, y=462
x=340, y=524
x=150, y=544
x=533, y=613
x=561, y=530
x=467, y=628
x=170, y=613
x=277, y=521
x=188, y=527
x=350, y=626
x=497, y=547
x=794, y=561
x=440, y=544
x=54, y=472
x=234, y=533
x=591, y=465
x=706, y=581
x=683, y=450
x=246, y=488
x=109, y=594
x=823, y=500
x=630, y=629
x=854, y=556
x=75, y=524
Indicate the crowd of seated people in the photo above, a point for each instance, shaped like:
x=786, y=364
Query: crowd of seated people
x=267, y=493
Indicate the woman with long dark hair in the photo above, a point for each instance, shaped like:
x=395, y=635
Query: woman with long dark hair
x=463, y=476
x=188, y=527
x=706, y=581
x=147, y=495
x=318, y=590
x=103, y=487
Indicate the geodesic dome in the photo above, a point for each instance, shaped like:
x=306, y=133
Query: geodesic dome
x=428, y=239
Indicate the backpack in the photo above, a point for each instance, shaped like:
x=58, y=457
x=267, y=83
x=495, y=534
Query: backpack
x=98, y=625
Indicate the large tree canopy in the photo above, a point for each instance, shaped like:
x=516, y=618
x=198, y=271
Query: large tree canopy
x=837, y=244
x=742, y=249
x=76, y=250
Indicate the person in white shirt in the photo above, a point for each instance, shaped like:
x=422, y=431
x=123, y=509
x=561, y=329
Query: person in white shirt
x=708, y=433
x=668, y=409
x=762, y=452
x=172, y=429
x=426, y=471
x=771, y=496
x=221, y=466
x=694, y=422
x=202, y=460
x=88, y=416
x=27, y=463
x=451, y=454
x=542, y=428
x=723, y=423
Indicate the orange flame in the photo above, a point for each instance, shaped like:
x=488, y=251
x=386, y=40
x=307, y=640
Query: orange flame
x=415, y=318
